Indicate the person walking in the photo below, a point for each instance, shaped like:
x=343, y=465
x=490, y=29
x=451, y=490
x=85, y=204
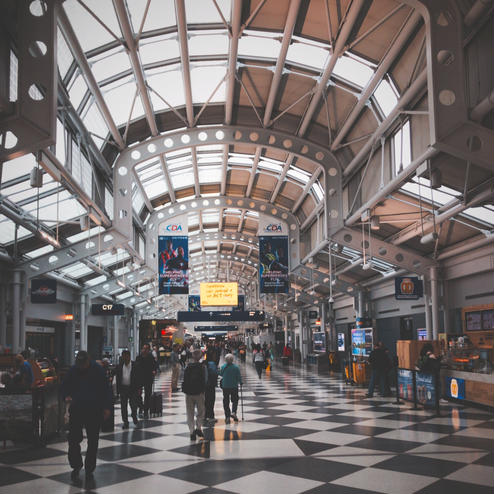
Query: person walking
x=146, y=370
x=126, y=374
x=231, y=380
x=210, y=395
x=87, y=390
x=176, y=364
x=380, y=364
x=194, y=387
x=259, y=360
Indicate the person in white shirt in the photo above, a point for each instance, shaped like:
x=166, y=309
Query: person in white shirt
x=127, y=388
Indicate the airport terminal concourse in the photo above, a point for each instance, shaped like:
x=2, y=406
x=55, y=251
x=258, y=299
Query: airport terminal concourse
x=247, y=246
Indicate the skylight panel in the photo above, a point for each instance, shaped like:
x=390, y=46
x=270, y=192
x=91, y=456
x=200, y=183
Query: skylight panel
x=298, y=174
x=119, y=99
x=61, y=142
x=268, y=165
x=39, y=252
x=205, y=80
x=482, y=214
x=85, y=235
x=182, y=179
x=110, y=63
x=161, y=14
x=150, y=173
x=7, y=231
x=259, y=44
x=307, y=54
x=89, y=32
x=318, y=191
x=76, y=270
x=169, y=85
x=23, y=191
x=353, y=71
x=95, y=123
x=146, y=164
x=159, y=49
x=96, y=281
x=208, y=44
x=240, y=159
x=210, y=174
x=210, y=216
x=124, y=295
x=205, y=12
x=64, y=55
x=385, y=97
x=156, y=188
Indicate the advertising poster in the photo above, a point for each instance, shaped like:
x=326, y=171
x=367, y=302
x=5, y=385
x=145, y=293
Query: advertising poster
x=405, y=384
x=362, y=341
x=341, y=342
x=219, y=294
x=194, y=303
x=43, y=291
x=273, y=264
x=173, y=262
x=426, y=390
x=454, y=388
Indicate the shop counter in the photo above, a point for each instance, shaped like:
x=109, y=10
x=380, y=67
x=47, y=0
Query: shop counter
x=473, y=387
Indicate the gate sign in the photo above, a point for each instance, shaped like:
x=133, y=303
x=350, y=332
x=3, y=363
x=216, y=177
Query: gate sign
x=408, y=288
x=107, y=309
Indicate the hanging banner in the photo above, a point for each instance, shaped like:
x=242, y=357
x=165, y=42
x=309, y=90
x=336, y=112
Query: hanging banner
x=273, y=264
x=194, y=303
x=173, y=257
x=43, y=291
x=408, y=288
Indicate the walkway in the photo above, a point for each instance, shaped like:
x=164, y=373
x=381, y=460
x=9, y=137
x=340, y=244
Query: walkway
x=301, y=433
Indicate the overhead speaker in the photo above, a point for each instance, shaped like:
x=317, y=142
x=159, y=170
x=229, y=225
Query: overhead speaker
x=36, y=178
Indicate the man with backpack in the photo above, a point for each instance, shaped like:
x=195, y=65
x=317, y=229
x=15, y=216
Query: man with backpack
x=194, y=387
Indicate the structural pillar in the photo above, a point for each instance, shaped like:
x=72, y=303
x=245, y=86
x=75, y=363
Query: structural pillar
x=3, y=315
x=115, y=338
x=84, y=330
x=18, y=336
x=332, y=329
x=434, y=302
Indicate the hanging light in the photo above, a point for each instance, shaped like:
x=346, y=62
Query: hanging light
x=374, y=222
x=430, y=237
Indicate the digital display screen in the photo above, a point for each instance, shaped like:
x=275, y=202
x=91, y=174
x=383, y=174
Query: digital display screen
x=219, y=294
x=319, y=342
x=488, y=319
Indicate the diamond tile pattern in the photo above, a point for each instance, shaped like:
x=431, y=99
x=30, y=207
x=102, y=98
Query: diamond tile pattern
x=302, y=432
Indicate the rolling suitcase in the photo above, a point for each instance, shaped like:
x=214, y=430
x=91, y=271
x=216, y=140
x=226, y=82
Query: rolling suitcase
x=156, y=404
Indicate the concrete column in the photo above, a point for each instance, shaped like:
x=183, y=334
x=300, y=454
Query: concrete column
x=84, y=330
x=18, y=336
x=3, y=315
x=361, y=304
x=332, y=333
x=434, y=302
x=427, y=309
x=285, y=328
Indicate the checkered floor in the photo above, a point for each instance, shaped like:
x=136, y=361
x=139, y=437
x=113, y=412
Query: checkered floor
x=301, y=433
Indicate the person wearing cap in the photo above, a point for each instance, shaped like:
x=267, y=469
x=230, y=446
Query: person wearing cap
x=231, y=380
x=87, y=389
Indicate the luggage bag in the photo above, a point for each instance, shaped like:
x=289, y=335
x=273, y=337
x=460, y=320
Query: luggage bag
x=156, y=404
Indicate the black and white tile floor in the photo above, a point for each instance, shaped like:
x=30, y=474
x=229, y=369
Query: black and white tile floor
x=301, y=433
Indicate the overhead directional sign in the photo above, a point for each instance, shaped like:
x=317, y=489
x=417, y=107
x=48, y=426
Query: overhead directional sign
x=221, y=316
x=107, y=309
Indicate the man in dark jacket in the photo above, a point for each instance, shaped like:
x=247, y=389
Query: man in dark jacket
x=380, y=364
x=87, y=390
x=127, y=386
x=146, y=370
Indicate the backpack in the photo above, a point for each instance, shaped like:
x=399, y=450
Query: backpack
x=194, y=379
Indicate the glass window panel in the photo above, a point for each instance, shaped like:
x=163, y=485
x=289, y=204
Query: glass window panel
x=146, y=164
x=109, y=203
x=210, y=216
x=150, y=173
x=110, y=63
x=208, y=44
x=183, y=179
x=353, y=71
x=259, y=45
x=142, y=246
x=86, y=176
x=85, y=235
x=14, y=77
x=89, y=32
x=64, y=55
x=402, y=147
x=95, y=123
x=169, y=85
x=318, y=191
x=178, y=152
x=298, y=174
x=206, y=12
x=77, y=89
x=304, y=54
x=18, y=167
x=385, y=97
x=159, y=49
x=76, y=270
x=61, y=142
x=137, y=199
x=204, y=80
x=161, y=14
x=270, y=166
